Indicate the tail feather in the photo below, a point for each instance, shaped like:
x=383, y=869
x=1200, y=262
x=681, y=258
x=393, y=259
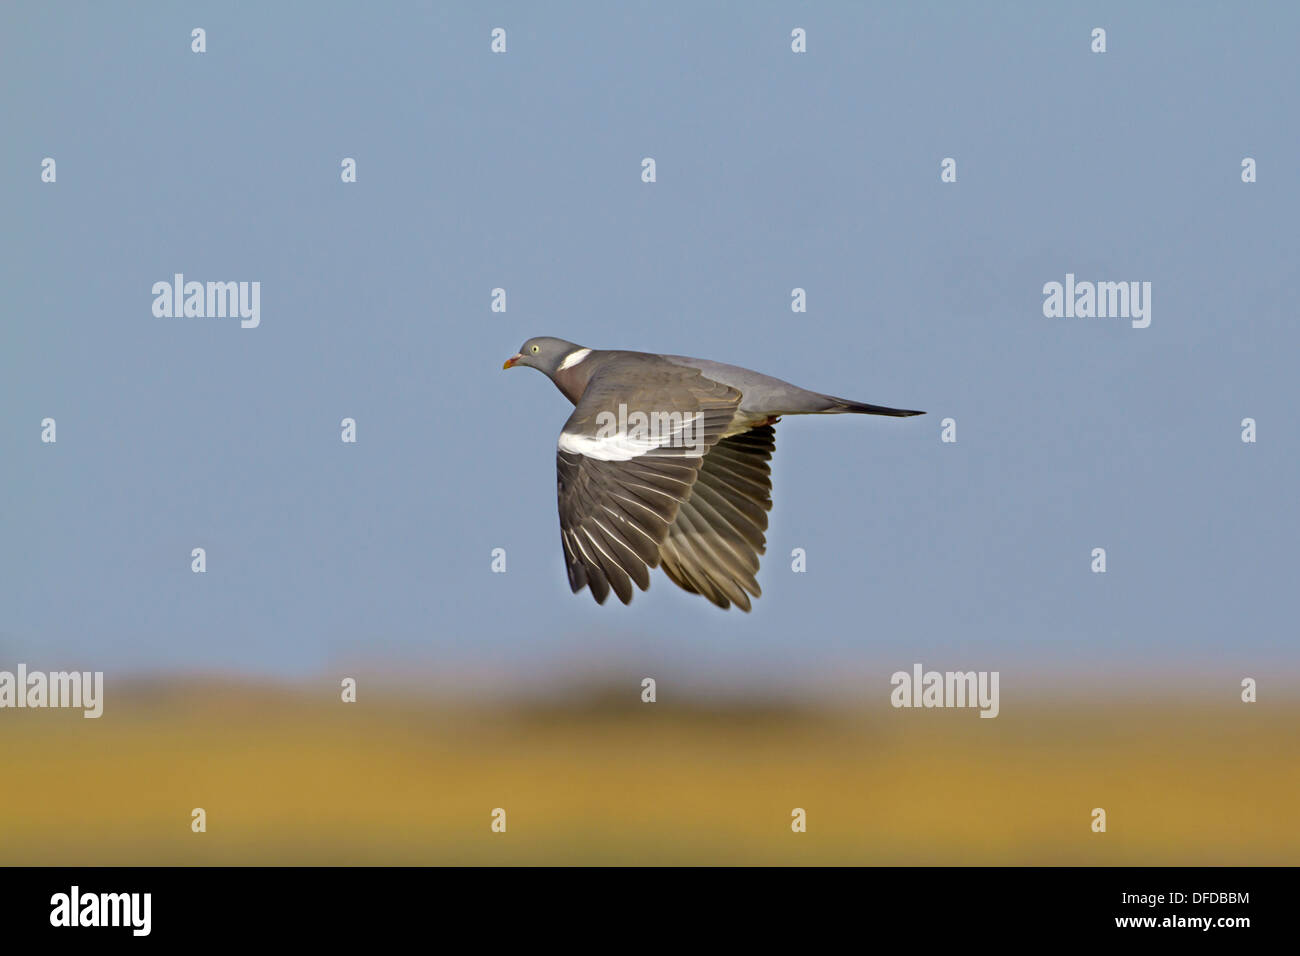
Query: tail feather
x=844, y=405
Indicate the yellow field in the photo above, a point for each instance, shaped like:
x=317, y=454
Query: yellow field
x=288, y=778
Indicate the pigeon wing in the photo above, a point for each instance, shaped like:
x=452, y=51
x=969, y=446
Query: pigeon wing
x=627, y=458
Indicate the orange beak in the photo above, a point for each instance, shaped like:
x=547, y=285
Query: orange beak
x=512, y=361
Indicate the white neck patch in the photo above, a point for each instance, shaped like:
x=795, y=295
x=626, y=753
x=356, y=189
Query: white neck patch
x=573, y=358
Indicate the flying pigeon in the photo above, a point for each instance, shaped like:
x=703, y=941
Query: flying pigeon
x=664, y=462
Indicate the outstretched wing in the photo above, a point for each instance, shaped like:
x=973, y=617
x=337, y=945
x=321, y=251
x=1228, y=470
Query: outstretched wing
x=713, y=545
x=628, y=457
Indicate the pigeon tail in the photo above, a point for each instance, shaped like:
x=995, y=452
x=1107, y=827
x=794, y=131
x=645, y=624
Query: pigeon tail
x=861, y=408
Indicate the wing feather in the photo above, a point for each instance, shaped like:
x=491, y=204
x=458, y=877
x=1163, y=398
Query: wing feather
x=619, y=494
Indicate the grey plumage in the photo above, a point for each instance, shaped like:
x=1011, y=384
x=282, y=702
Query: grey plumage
x=692, y=492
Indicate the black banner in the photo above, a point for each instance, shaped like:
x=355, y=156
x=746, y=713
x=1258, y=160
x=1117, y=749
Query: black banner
x=304, y=904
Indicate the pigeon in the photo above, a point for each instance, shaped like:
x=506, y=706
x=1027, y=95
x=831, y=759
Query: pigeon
x=664, y=463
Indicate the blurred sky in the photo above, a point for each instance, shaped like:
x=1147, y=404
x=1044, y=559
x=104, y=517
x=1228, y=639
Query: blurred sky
x=775, y=170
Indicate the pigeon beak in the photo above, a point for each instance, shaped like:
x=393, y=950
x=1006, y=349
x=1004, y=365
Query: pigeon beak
x=512, y=361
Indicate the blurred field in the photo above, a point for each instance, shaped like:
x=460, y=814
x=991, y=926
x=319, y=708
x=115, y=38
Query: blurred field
x=289, y=777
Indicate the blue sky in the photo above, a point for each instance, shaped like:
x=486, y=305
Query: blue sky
x=522, y=171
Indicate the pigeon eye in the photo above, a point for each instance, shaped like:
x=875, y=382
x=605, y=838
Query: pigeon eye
x=535, y=349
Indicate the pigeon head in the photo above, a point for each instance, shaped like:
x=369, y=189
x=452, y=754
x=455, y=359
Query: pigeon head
x=545, y=354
